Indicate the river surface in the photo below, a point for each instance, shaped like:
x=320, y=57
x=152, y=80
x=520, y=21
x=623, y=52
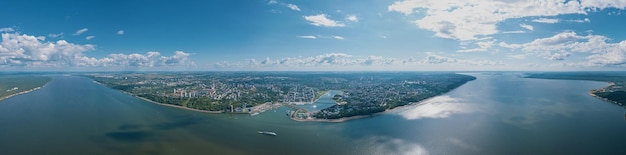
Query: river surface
x=495, y=114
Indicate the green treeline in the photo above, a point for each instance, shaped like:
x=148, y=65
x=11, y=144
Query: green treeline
x=201, y=103
x=615, y=92
x=13, y=84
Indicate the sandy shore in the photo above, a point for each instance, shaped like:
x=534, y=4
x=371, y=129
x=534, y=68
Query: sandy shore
x=591, y=92
x=20, y=93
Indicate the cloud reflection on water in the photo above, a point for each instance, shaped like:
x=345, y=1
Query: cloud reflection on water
x=385, y=145
x=462, y=144
x=437, y=107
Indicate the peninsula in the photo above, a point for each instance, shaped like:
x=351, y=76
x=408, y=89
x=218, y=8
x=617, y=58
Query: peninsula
x=12, y=85
x=364, y=93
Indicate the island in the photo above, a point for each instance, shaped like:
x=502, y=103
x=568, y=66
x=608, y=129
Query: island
x=12, y=85
x=363, y=93
x=614, y=93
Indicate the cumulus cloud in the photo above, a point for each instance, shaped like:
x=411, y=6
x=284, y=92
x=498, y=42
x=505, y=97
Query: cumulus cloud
x=293, y=7
x=528, y=27
x=517, y=56
x=81, y=31
x=432, y=58
x=586, y=20
x=472, y=50
x=31, y=51
x=560, y=56
x=7, y=29
x=513, y=32
x=307, y=37
x=322, y=20
x=483, y=46
x=89, y=37
x=120, y=32
x=56, y=35
x=473, y=19
x=546, y=20
x=352, y=18
x=598, y=49
x=272, y=2
x=343, y=61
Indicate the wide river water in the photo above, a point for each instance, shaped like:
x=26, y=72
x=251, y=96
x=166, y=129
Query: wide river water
x=495, y=114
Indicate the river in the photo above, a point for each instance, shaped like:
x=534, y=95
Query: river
x=495, y=114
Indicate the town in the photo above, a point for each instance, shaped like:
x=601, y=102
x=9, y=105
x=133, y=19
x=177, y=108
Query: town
x=244, y=92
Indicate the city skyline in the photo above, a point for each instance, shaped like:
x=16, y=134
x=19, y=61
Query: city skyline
x=293, y=35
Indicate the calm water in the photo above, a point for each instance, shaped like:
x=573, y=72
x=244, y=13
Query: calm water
x=492, y=115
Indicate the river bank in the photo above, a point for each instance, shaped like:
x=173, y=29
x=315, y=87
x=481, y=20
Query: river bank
x=20, y=93
x=410, y=105
x=177, y=106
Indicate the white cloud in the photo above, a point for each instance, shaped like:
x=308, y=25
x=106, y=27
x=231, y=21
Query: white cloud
x=89, y=37
x=343, y=61
x=352, y=18
x=25, y=50
x=596, y=48
x=57, y=35
x=509, y=32
x=615, y=57
x=81, y=31
x=472, y=50
x=150, y=59
x=473, y=19
x=120, y=32
x=339, y=37
x=546, y=20
x=7, y=29
x=483, y=46
x=432, y=58
x=322, y=20
x=528, y=27
x=560, y=56
x=272, y=2
x=293, y=7
x=307, y=37
x=511, y=46
x=600, y=4
x=586, y=20
x=518, y=56
x=31, y=51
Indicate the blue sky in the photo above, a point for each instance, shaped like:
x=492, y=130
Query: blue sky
x=370, y=35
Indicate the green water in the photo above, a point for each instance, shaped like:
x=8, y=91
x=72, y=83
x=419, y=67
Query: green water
x=491, y=115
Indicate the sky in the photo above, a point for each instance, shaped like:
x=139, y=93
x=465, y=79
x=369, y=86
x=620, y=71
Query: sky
x=320, y=35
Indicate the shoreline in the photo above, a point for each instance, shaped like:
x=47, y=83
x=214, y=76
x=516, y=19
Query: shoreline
x=20, y=93
x=163, y=104
x=277, y=105
x=592, y=93
x=343, y=119
x=177, y=106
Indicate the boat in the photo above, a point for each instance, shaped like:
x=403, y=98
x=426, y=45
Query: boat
x=269, y=133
